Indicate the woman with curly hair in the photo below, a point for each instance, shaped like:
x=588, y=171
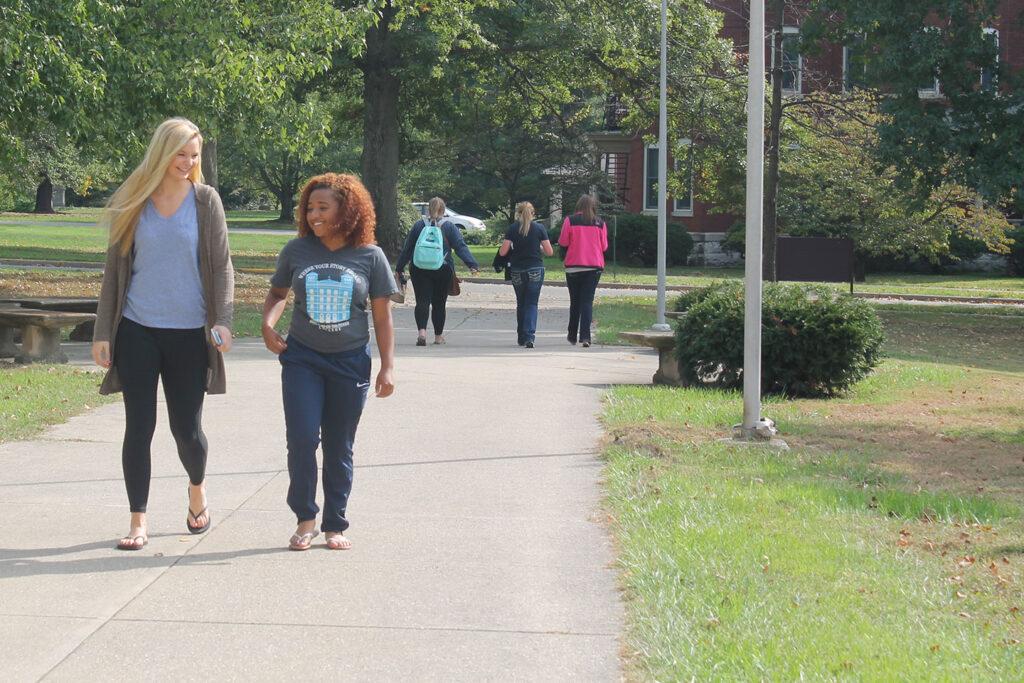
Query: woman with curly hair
x=341, y=278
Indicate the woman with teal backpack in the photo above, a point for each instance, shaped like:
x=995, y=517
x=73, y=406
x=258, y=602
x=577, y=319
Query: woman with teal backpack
x=429, y=248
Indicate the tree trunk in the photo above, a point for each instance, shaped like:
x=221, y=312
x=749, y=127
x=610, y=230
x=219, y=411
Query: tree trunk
x=380, y=132
x=771, y=190
x=210, y=163
x=287, y=200
x=44, y=196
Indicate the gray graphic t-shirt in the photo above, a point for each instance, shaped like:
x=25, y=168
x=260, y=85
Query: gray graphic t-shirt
x=332, y=291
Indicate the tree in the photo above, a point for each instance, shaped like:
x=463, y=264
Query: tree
x=52, y=70
x=831, y=185
x=970, y=132
x=410, y=51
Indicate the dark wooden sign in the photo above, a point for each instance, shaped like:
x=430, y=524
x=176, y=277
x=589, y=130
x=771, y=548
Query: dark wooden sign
x=814, y=259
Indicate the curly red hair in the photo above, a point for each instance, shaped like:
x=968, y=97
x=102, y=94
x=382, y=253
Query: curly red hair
x=358, y=219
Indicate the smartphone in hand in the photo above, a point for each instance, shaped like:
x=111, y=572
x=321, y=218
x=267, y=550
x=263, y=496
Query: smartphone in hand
x=216, y=337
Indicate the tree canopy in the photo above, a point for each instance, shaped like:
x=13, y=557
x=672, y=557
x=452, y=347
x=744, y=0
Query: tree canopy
x=971, y=127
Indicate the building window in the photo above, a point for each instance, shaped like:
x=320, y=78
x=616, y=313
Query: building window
x=792, y=62
x=930, y=87
x=853, y=67
x=651, y=178
x=988, y=77
x=682, y=204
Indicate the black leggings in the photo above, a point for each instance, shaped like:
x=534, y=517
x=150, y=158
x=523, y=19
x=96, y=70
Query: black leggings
x=431, y=287
x=178, y=357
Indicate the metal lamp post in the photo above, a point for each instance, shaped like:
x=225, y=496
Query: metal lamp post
x=754, y=210
x=660, y=323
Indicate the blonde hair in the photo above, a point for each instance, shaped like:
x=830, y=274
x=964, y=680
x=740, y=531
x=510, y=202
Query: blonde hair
x=124, y=207
x=525, y=213
x=435, y=209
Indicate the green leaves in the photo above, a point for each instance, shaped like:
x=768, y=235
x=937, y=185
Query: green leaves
x=965, y=132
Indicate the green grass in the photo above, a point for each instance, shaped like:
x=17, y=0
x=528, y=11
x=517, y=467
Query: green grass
x=39, y=237
x=34, y=396
x=89, y=243
x=745, y=564
x=850, y=557
x=615, y=314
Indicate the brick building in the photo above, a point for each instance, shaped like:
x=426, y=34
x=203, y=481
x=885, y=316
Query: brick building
x=632, y=164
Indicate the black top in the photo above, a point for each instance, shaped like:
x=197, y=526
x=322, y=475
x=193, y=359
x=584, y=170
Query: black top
x=525, y=253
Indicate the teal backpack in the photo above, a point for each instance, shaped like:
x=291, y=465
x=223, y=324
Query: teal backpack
x=428, y=254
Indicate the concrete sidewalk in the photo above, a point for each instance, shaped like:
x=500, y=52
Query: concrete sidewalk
x=479, y=551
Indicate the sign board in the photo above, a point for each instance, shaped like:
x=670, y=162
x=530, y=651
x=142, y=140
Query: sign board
x=815, y=259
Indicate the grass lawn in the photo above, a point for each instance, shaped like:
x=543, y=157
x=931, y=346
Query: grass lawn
x=887, y=544
x=29, y=236
x=34, y=396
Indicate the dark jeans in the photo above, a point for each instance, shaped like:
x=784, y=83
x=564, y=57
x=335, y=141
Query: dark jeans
x=178, y=358
x=324, y=394
x=431, y=288
x=527, y=284
x=581, y=303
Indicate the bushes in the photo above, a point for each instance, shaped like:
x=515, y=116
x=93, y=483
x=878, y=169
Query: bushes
x=637, y=240
x=813, y=341
x=1016, y=256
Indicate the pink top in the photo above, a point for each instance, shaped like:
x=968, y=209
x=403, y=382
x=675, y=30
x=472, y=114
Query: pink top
x=586, y=244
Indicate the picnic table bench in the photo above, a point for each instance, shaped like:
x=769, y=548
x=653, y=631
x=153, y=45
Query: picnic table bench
x=40, y=333
x=67, y=304
x=664, y=342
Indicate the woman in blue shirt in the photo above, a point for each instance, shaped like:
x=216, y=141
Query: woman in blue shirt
x=432, y=286
x=526, y=243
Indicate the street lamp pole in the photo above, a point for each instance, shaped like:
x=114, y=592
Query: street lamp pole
x=754, y=210
x=660, y=323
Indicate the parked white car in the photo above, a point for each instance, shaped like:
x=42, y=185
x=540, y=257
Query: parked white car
x=462, y=222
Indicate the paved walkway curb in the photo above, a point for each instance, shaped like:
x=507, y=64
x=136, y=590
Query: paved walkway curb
x=479, y=552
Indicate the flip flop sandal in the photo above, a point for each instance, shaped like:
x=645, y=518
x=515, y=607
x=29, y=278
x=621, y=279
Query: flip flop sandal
x=302, y=541
x=339, y=542
x=193, y=517
x=131, y=544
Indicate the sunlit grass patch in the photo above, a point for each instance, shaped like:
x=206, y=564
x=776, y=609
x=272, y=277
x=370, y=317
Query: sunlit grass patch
x=35, y=396
x=870, y=551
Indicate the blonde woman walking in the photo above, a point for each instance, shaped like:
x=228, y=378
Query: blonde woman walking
x=165, y=312
x=526, y=244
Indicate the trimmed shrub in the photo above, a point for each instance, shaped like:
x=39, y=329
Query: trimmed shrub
x=637, y=240
x=814, y=342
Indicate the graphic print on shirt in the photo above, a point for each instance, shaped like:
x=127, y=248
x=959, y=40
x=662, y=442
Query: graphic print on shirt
x=329, y=293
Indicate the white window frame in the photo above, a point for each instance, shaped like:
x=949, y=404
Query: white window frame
x=651, y=204
x=650, y=207
x=992, y=78
x=935, y=91
x=849, y=83
x=677, y=210
x=790, y=31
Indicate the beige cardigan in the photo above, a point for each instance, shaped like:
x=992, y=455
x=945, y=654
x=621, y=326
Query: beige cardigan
x=215, y=271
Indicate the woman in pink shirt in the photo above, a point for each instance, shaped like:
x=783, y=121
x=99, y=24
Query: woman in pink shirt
x=585, y=237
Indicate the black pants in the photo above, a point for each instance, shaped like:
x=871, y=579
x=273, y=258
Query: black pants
x=431, y=287
x=582, y=286
x=178, y=358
